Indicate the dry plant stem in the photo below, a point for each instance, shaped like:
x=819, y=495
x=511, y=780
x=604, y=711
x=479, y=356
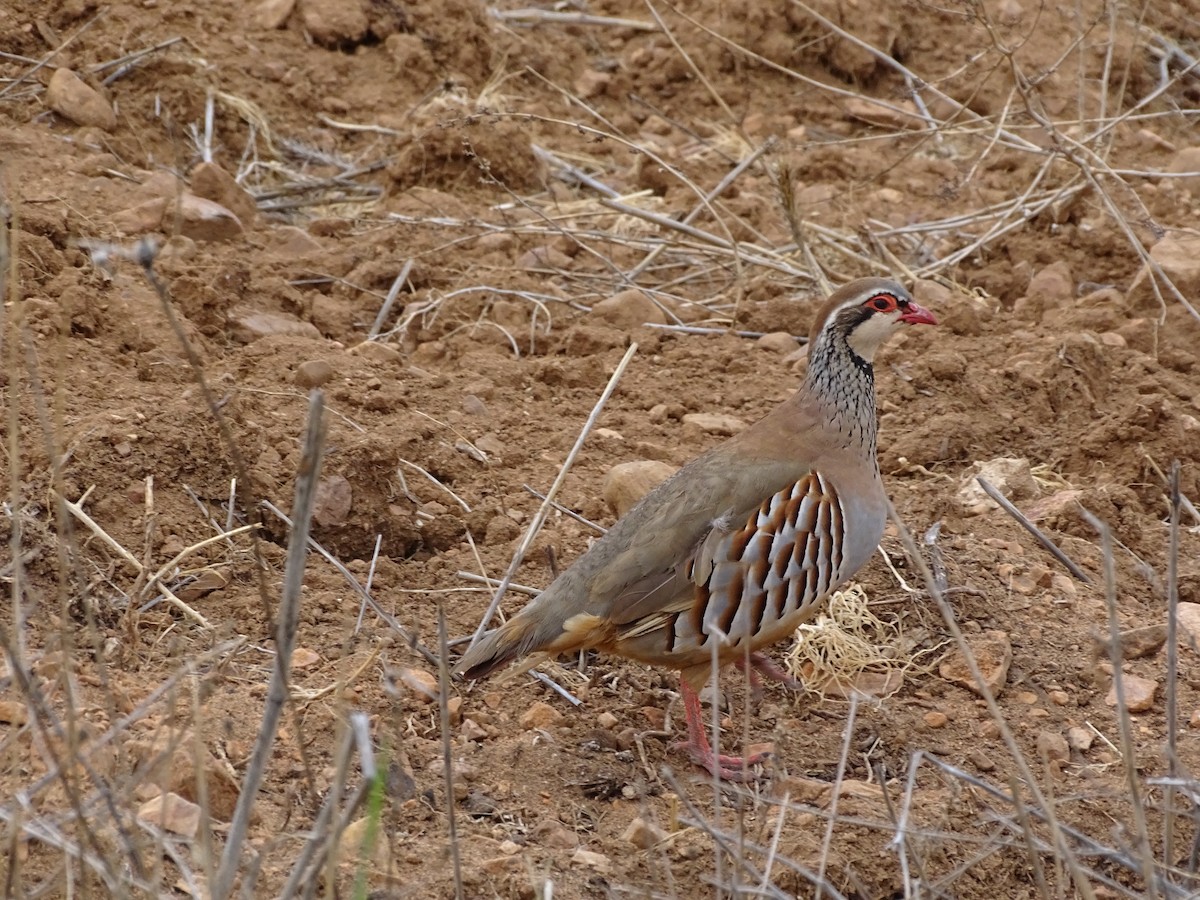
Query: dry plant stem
x=533, y=16
x=838, y=778
x=567, y=512
x=1128, y=749
x=1038, y=534
x=288, y=617
x=447, y=756
x=77, y=511
x=409, y=637
x=544, y=510
x=1172, y=668
x=1061, y=847
x=1031, y=841
x=390, y=300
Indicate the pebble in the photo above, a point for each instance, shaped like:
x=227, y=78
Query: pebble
x=556, y=836
x=1138, y=693
x=144, y=217
x=212, y=182
x=777, y=342
x=1051, y=287
x=247, y=327
x=313, y=374
x=13, y=713
x=1138, y=642
x=291, y=242
x=592, y=860
x=993, y=653
x=628, y=310
x=1179, y=256
x=628, y=482
x=607, y=720
x=715, y=423
x=1011, y=476
x=1193, y=722
x=333, y=501
x=1080, y=738
x=643, y=834
x=935, y=719
x=271, y=14
x=1187, y=160
x=981, y=761
x=72, y=99
x=334, y=22
x=470, y=730
x=171, y=813
x=421, y=683
x=1189, y=619
x=1059, y=698
x=1029, y=698
x=1053, y=746
x=202, y=219
x=540, y=715
x=545, y=257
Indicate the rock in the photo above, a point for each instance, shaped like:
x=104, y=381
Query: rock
x=212, y=182
x=490, y=444
x=171, y=812
x=13, y=713
x=1050, y=288
x=1194, y=721
x=377, y=352
x=1080, y=738
x=1136, y=642
x=993, y=653
x=627, y=483
x=607, y=720
x=1057, y=504
x=470, y=730
x=863, y=685
x=1189, y=620
x=334, y=22
x=715, y=423
x=422, y=684
x=201, y=219
x=304, y=658
x=981, y=761
x=168, y=763
x=540, y=715
x=628, y=310
x=247, y=327
x=1053, y=746
x=935, y=719
x=1187, y=160
x=205, y=583
x=898, y=114
x=313, y=373
x=643, y=834
x=544, y=257
x=473, y=406
x=144, y=217
x=1138, y=693
x=271, y=14
x=291, y=242
x=351, y=847
x=1179, y=256
x=591, y=860
x=1010, y=476
x=72, y=99
x=333, y=500
x=591, y=83
x=1059, y=698
x=776, y=342
x=555, y=836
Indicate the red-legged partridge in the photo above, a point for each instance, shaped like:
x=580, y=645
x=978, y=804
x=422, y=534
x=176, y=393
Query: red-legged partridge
x=745, y=542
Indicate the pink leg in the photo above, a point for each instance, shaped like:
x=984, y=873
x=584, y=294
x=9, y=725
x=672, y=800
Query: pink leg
x=730, y=768
x=760, y=662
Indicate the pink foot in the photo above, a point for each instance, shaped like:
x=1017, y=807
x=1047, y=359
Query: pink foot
x=761, y=663
x=728, y=768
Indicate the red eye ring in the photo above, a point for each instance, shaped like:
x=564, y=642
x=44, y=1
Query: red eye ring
x=882, y=302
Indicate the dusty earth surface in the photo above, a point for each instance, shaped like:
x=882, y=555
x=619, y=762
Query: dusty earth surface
x=512, y=179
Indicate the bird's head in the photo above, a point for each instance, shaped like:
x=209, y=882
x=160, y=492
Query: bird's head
x=865, y=313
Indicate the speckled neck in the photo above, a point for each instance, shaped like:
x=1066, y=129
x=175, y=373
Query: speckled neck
x=843, y=383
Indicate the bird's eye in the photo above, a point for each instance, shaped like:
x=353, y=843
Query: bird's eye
x=883, y=303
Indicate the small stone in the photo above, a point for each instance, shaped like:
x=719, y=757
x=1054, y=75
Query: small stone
x=981, y=761
x=1136, y=642
x=655, y=716
x=72, y=99
x=1052, y=746
x=247, y=327
x=628, y=310
x=657, y=414
x=1012, y=477
x=1138, y=693
x=993, y=653
x=1187, y=161
x=776, y=342
x=1080, y=738
x=643, y=834
x=591, y=83
x=171, y=812
x=202, y=585
x=715, y=423
x=1194, y=721
x=291, y=242
x=1189, y=619
x=1059, y=698
x=423, y=685
x=540, y=715
x=544, y=257
x=1050, y=288
x=470, y=730
x=989, y=730
x=146, y=216
x=627, y=483
x=13, y=713
x=556, y=836
x=271, y=14
x=897, y=114
x=351, y=844
x=334, y=499
x=607, y=720
x=304, y=658
x=212, y=182
x=313, y=374
x=333, y=23
x=935, y=719
x=1029, y=698
x=376, y=352
x=1179, y=257
x=202, y=219
x=473, y=406
x=592, y=860
x=454, y=707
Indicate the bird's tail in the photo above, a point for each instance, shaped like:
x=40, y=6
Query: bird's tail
x=500, y=646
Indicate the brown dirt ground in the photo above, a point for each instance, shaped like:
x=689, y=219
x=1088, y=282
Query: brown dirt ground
x=1087, y=384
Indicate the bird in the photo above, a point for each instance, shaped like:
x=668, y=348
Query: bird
x=743, y=543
